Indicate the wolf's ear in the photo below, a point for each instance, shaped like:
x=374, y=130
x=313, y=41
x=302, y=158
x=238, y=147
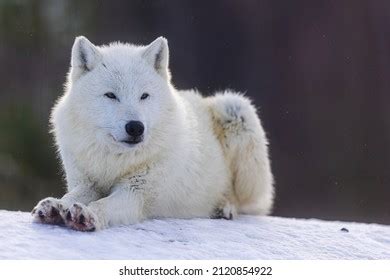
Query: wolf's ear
x=157, y=55
x=85, y=56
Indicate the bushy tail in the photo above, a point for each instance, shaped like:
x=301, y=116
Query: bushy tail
x=245, y=146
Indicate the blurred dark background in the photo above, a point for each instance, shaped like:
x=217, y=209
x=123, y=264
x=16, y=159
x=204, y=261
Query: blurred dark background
x=319, y=72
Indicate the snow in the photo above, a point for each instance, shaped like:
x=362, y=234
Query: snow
x=247, y=237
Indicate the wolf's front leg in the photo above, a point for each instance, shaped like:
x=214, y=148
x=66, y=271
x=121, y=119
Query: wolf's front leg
x=123, y=206
x=52, y=210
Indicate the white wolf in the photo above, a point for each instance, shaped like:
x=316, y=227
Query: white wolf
x=133, y=147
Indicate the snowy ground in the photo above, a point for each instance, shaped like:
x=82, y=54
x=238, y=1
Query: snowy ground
x=245, y=238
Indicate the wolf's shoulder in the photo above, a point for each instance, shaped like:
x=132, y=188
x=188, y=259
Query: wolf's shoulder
x=191, y=95
x=192, y=100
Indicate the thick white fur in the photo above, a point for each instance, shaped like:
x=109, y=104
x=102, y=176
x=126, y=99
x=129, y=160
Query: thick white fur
x=200, y=157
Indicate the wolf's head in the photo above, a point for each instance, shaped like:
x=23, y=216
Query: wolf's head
x=121, y=93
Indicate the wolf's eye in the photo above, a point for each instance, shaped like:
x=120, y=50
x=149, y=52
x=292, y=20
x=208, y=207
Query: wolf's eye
x=144, y=96
x=111, y=95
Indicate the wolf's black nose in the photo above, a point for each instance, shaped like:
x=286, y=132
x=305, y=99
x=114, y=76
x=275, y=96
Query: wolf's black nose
x=135, y=128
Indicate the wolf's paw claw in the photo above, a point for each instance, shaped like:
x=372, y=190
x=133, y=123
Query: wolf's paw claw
x=48, y=211
x=227, y=212
x=79, y=217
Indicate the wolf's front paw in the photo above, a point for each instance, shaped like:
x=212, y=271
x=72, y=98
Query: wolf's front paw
x=48, y=211
x=79, y=217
